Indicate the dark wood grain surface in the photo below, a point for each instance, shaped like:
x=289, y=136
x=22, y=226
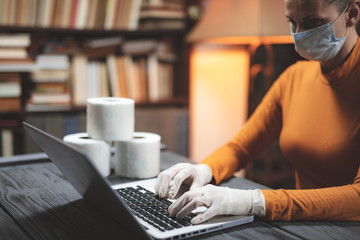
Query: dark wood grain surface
x=38, y=203
x=9, y=230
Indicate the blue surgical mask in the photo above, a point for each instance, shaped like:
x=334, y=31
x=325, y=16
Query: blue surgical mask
x=319, y=43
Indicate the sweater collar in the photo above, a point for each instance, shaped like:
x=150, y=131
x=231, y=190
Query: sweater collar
x=341, y=73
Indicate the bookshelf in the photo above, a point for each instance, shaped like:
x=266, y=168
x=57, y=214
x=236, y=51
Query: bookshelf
x=70, y=44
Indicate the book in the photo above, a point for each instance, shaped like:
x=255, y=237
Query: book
x=102, y=47
x=52, y=61
x=90, y=21
x=17, y=65
x=173, y=4
x=11, y=17
x=56, y=21
x=50, y=87
x=4, y=12
x=141, y=80
x=128, y=16
x=48, y=9
x=112, y=70
x=21, y=12
x=153, y=78
x=93, y=87
x=65, y=15
x=110, y=13
x=13, y=52
x=31, y=16
x=31, y=107
x=50, y=98
x=134, y=13
x=78, y=80
x=7, y=142
x=104, y=82
x=50, y=76
x=9, y=89
x=10, y=85
x=166, y=76
x=161, y=24
x=122, y=75
x=104, y=42
x=165, y=13
x=100, y=14
x=73, y=13
x=130, y=76
x=117, y=13
x=10, y=104
x=81, y=14
x=122, y=15
x=143, y=46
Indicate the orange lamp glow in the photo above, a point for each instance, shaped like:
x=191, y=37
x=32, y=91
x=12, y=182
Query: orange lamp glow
x=218, y=96
x=220, y=66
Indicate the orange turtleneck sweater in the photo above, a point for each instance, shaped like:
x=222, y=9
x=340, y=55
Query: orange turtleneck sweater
x=316, y=117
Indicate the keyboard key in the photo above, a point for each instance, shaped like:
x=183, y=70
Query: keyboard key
x=151, y=208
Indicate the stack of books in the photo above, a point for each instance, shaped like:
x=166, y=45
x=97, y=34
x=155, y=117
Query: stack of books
x=101, y=47
x=10, y=92
x=162, y=14
x=13, y=53
x=51, y=84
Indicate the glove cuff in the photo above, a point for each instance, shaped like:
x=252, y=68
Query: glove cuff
x=258, y=203
x=206, y=172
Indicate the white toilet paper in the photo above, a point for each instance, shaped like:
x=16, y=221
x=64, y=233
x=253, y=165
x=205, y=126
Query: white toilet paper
x=138, y=157
x=98, y=151
x=110, y=119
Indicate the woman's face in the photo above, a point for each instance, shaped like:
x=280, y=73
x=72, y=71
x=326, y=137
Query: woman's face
x=307, y=14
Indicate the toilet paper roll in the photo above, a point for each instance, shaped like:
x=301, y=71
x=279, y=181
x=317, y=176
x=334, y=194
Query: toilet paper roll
x=98, y=151
x=138, y=157
x=110, y=119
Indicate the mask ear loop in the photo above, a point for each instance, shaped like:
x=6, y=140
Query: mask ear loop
x=347, y=7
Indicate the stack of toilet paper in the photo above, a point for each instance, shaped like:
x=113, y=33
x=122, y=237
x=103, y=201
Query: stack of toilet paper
x=112, y=121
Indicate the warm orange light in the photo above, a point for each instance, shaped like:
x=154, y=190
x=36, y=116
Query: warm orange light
x=219, y=78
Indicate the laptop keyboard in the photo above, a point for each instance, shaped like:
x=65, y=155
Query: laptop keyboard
x=152, y=209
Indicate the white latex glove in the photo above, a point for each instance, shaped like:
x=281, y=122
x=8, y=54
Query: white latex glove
x=169, y=181
x=218, y=201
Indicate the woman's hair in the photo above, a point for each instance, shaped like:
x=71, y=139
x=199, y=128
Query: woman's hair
x=341, y=5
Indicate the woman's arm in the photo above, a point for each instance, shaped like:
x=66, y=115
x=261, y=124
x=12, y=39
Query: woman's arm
x=331, y=204
x=262, y=128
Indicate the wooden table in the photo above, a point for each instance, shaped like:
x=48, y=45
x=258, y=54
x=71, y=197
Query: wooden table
x=38, y=203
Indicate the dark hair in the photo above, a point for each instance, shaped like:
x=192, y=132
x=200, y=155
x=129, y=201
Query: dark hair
x=341, y=5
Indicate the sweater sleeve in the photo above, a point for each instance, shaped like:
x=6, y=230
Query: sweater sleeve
x=340, y=203
x=262, y=128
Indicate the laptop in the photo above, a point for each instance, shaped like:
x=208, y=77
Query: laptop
x=121, y=202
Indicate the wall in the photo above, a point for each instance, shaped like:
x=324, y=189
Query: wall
x=218, y=96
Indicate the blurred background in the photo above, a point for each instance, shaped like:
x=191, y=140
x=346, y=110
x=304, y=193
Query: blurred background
x=197, y=69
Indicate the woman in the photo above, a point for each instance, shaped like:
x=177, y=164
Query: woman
x=314, y=110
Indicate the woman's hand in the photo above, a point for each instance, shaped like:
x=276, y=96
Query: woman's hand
x=170, y=180
x=218, y=201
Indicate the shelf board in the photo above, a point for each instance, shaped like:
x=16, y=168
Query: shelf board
x=92, y=32
x=177, y=101
x=174, y=102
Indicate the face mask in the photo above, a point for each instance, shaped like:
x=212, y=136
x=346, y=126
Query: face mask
x=318, y=43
